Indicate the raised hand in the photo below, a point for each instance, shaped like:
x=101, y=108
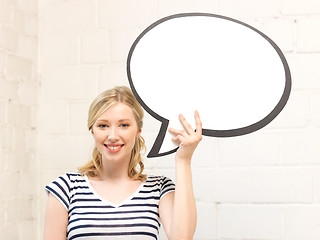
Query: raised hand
x=188, y=139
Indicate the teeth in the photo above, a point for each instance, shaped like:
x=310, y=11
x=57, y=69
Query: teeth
x=114, y=147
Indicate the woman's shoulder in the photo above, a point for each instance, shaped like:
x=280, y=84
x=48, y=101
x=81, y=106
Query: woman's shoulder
x=161, y=179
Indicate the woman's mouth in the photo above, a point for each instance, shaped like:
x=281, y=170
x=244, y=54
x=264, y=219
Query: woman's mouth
x=113, y=148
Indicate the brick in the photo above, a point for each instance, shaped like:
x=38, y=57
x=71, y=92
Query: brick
x=111, y=75
x=28, y=93
x=12, y=184
x=307, y=40
x=13, y=209
x=280, y=31
x=243, y=9
x=3, y=111
x=301, y=222
x=304, y=70
x=3, y=210
x=31, y=25
x=65, y=152
x=58, y=50
x=221, y=184
x=14, y=112
x=78, y=117
x=121, y=41
x=69, y=83
x=315, y=109
x=32, y=136
x=299, y=7
x=95, y=47
x=18, y=20
x=255, y=149
x=295, y=114
x=6, y=12
x=19, y=138
x=15, y=157
x=54, y=118
x=2, y=60
x=301, y=147
x=28, y=229
x=249, y=221
x=137, y=13
x=281, y=185
x=83, y=15
x=205, y=154
x=3, y=160
x=28, y=178
x=316, y=184
x=28, y=47
x=9, y=231
x=9, y=39
x=19, y=67
x=207, y=225
x=19, y=114
x=6, y=136
x=30, y=7
x=169, y=7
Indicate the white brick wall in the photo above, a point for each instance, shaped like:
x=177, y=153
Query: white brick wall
x=261, y=186
x=18, y=128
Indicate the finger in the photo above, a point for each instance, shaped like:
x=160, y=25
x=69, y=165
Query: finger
x=177, y=138
x=177, y=131
x=185, y=124
x=198, y=123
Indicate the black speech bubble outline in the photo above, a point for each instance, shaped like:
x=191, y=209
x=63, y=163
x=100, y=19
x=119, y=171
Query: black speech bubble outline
x=154, y=152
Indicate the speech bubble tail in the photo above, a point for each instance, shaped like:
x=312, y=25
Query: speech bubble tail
x=156, y=148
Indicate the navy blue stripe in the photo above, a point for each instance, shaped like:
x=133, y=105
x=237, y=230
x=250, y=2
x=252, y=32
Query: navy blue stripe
x=154, y=190
x=115, y=219
x=79, y=187
x=120, y=212
x=77, y=181
x=65, y=182
x=167, y=190
x=113, y=234
x=146, y=198
x=62, y=189
x=81, y=193
x=167, y=186
x=165, y=183
x=113, y=226
x=86, y=200
x=140, y=205
x=57, y=195
x=96, y=207
x=73, y=174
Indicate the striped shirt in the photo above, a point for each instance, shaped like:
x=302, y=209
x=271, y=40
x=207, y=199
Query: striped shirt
x=93, y=218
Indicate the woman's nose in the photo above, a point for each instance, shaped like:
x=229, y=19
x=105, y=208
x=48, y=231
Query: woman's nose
x=113, y=135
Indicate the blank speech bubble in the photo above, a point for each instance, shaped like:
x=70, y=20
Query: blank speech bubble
x=234, y=75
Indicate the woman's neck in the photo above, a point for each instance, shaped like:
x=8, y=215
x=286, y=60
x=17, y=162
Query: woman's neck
x=114, y=171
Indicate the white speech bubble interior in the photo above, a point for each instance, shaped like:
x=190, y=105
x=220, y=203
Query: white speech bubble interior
x=231, y=73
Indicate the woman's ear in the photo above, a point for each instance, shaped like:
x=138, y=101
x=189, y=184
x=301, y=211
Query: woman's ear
x=139, y=132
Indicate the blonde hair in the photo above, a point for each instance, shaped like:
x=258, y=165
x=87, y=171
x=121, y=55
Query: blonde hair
x=99, y=105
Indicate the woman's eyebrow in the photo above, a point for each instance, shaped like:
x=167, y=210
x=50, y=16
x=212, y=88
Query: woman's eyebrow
x=121, y=120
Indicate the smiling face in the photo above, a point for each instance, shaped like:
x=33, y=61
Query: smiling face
x=115, y=133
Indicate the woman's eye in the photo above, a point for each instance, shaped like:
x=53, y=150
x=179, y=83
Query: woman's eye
x=102, y=126
x=124, y=125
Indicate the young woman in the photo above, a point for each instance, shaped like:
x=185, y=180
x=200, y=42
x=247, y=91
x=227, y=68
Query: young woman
x=110, y=197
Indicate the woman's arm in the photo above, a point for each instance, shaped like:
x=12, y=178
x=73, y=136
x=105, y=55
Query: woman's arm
x=178, y=209
x=56, y=220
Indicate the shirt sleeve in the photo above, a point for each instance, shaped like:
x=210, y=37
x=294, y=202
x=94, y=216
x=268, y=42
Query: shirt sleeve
x=167, y=186
x=60, y=188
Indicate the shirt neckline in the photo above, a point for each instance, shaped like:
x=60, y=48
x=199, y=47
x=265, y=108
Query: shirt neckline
x=108, y=202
